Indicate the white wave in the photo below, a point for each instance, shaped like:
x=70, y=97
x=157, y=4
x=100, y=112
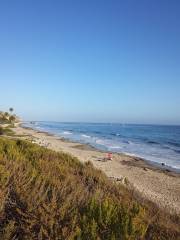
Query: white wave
x=38, y=127
x=114, y=147
x=67, y=133
x=86, y=136
x=100, y=142
x=130, y=154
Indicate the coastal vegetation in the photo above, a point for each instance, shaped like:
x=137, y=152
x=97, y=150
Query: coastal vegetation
x=6, y=131
x=50, y=195
x=7, y=120
x=8, y=117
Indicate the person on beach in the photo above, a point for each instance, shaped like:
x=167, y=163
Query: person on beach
x=109, y=156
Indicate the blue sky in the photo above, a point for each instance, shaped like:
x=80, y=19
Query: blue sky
x=98, y=60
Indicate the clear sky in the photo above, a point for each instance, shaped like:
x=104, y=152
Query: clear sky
x=91, y=60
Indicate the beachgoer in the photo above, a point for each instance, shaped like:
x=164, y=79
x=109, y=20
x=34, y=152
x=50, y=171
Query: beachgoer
x=109, y=156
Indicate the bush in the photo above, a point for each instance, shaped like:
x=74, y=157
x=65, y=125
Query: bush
x=1, y=130
x=49, y=195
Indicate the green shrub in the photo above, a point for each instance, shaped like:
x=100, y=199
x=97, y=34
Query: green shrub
x=1, y=130
x=49, y=195
x=6, y=131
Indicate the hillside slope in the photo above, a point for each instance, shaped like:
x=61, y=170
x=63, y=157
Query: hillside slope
x=50, y=195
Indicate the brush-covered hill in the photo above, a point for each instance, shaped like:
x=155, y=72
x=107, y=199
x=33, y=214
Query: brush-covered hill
x=50, y=195
x=8, y=117
x=7, y=122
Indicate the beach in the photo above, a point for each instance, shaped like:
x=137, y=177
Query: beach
x=160, y=186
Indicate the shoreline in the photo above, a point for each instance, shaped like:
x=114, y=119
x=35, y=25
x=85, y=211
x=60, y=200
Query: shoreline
x=150, y=164
x=154, y=183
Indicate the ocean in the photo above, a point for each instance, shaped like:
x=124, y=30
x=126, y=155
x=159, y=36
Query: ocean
x=155, y=143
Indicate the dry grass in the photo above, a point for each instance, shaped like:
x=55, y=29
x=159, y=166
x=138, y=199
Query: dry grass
x=6, y=131
x=49, y=195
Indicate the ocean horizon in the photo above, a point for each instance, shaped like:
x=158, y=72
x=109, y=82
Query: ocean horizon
x=158, y=144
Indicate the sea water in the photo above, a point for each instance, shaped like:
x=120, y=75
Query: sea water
x=156, y=143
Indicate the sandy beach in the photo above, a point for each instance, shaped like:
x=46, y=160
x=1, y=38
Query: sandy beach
x=160, y=186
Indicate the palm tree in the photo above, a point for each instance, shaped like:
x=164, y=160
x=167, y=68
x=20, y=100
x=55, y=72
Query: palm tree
x=11, y=110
